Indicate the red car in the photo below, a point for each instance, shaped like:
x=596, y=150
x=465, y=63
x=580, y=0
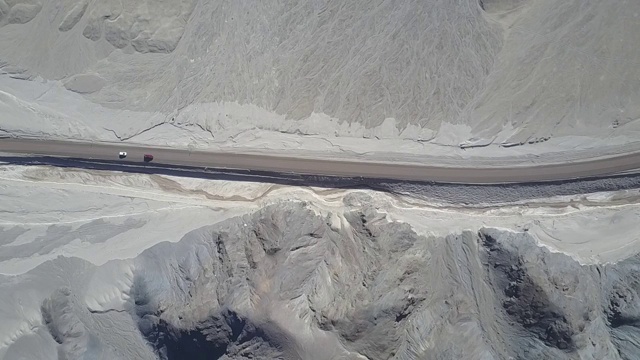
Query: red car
x=148, y=157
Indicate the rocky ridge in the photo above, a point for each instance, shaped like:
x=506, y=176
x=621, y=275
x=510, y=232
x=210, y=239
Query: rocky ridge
x=287, y=283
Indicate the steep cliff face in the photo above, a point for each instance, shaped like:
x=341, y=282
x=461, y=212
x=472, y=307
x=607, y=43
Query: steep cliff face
x=287, y=283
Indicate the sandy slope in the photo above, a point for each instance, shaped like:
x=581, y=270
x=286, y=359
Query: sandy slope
x=411, y=78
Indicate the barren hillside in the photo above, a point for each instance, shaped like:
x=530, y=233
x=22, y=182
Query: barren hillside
x=425, y=75
x=285, y=283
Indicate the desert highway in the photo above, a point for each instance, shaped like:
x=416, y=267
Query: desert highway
x=395, y=171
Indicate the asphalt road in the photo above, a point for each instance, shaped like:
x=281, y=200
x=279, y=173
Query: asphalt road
x=104, y=151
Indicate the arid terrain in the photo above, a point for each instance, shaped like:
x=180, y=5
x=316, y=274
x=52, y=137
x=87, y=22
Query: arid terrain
x=141, y=264
x=308, y=273
x=421, y=80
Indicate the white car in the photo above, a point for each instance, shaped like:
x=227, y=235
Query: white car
x=122, y=154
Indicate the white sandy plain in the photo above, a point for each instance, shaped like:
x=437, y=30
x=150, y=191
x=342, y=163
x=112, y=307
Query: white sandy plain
x=69, y=211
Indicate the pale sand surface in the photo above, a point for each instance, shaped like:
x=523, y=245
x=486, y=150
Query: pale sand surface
x=65, y=209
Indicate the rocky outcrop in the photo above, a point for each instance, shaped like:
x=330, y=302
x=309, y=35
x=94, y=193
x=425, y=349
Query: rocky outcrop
x=288, y=283
x=377, y=289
